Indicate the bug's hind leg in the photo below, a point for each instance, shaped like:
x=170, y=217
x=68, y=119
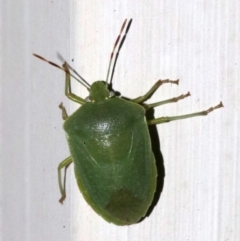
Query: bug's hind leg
x=64, y=164
x=64, y=112
x=163, y=102
x=172, y=118
x=141, y=99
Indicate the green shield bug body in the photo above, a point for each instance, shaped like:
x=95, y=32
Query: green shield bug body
x=110, y=146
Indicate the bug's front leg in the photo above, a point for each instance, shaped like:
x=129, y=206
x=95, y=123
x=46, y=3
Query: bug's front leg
x=172, y=118
x=68, y=91
x=64, y=164
x=141, y=99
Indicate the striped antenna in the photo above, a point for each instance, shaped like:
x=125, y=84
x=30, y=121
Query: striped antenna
x=119, y=48
x=81, y=80
x=114, y=47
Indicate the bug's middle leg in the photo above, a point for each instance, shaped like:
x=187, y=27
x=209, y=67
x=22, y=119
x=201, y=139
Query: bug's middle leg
x=163, y=102
x=64, y=112
x=141, y=99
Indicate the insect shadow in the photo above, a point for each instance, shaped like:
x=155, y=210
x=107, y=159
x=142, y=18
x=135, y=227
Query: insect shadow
x=156, y=149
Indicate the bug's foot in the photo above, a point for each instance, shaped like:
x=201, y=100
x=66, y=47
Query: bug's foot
x=62, y=199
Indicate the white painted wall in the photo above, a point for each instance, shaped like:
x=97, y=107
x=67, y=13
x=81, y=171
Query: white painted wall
x=195, y=41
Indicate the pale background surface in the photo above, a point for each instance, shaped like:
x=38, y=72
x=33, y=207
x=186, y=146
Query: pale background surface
x=195, y=41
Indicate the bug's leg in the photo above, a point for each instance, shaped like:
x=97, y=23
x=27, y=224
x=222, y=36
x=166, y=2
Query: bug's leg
x=141, y=99
x=163, y=102
x=172, y=118
x=64, y=164
x=68, y=91
x=64, y=112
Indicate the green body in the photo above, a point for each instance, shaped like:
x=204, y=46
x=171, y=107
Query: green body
x=114, y=164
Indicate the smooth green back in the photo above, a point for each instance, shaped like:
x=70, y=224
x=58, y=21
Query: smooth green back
x=114, y=165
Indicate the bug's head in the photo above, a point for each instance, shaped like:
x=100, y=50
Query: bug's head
x=99, y=92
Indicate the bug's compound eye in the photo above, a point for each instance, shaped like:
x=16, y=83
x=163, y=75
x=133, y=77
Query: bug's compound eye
x=111, y=94
x=87, y=99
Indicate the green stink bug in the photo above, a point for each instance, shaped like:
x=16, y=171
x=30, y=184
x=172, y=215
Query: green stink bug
x=110, y=145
